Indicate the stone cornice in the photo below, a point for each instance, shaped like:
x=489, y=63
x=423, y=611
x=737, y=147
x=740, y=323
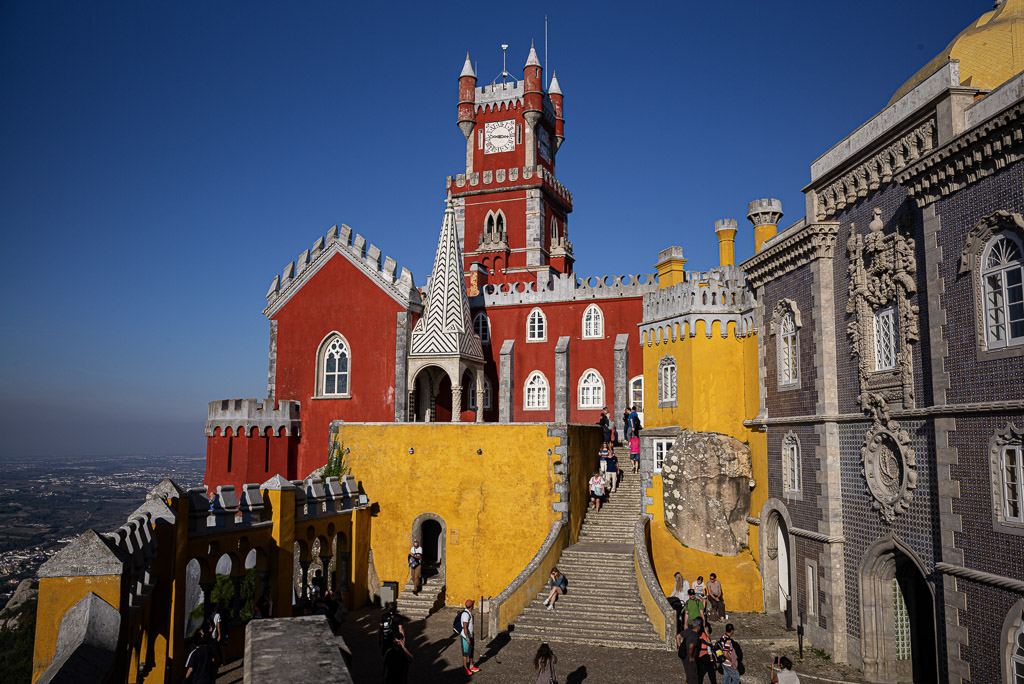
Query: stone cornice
x=811, y=242
x=976, y=154
x=941, y=410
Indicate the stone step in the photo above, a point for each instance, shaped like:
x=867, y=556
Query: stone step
x=582, y=565
x=584, y=621
x=572, y=635
x=572, y=604
x=611, y=612
x=592, y=586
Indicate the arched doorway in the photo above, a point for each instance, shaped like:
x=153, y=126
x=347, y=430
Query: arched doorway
x=777, y=560
x=898, y=615
x=432, y=532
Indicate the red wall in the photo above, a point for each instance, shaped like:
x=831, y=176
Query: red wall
x=237, y=459
x=339, y=297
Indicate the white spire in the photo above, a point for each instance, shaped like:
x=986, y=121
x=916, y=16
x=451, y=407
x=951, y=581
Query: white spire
x=553, y=86
x=532, y=60
x=467, y=68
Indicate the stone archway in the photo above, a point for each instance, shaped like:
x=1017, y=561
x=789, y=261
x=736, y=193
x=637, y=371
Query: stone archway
x=778, y=565
x=435, y=555
x=1010, y=650
x=897, y=608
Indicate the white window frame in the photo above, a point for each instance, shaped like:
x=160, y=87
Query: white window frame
x=323, y=351
x=884, y=326
x=471, y=402
x=590, y=380
x=1011, y=462
x=659, y=448
x=536, y=332
x=1001, y=310
x=633, y=400
x=593, y=323
x=536, y=394
x=788, y=367
x=482, y=327
x=791, y=464
x=811, y=584
x=668, y=382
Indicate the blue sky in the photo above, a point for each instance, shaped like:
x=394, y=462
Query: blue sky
x=161, y=162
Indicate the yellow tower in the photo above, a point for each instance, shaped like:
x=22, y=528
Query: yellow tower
x=671, y=267
x=726, y=230
x=765, y=215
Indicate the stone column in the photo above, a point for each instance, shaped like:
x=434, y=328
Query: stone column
x=412, y=407
x=480, y=395
x=621, y=393
x=563, y=394
x=401, y=366
x=507, y=382
x=326, y=561
x=207, y=588
x=456, y=403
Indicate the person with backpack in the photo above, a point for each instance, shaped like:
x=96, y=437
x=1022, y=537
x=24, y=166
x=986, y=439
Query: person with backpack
x=688, y=649
x=693, y=607
x=634, y=418
x=395, y=659
x=201, y=665
x=596, y=490
x=559, y=585
x=463, y=626
x=606, y=427
x=626, y=426
x=706, y=662
x=416, y=565
x=544, y=663
x=731, y=664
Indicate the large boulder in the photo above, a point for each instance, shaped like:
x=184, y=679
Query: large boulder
x=706, y=479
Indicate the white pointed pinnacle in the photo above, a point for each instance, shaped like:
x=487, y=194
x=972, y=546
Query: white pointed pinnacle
x=467, y=68
x=553, y=87
x=532, y=60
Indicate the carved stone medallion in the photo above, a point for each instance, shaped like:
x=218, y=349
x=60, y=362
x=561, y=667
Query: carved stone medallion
x=890, y=468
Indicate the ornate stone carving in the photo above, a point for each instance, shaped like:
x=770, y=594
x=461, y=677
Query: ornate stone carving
x=882, y=269
x=815, y=241
x=981, y=233
x=888, y=463
x=876, y=171
x=783, y=307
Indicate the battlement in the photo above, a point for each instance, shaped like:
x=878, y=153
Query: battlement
x=384, y=269
x=510, y=177
x=252, y=417
x=565, y=287
x=764, y=211
x=719, y=294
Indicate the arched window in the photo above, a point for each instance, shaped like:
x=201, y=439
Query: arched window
x=536, y=393
x=789, y=357
x=1002, y=278
x=593, y=323
x=489, y=228
x=1016, y=664
x=667, y=382
x=333, y=367
x=591, y=390
x=636, y=392
x=790, y=463
x=471, y=403
x=554, y=229
x=499, y=225
x=482, y=327
x=886, y=345
x=536, y=326
x=1006, y=472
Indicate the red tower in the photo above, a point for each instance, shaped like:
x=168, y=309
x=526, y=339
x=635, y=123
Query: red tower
x=512, y=213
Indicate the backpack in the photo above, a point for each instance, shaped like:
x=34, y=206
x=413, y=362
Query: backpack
x=457, y=622
x=738, y=650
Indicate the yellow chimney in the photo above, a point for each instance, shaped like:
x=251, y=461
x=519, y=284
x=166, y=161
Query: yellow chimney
x=671, y=267
x=726, y=230
x=765, y=214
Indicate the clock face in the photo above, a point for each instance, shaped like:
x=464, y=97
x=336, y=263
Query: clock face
x=544, y=144
x=499, y=136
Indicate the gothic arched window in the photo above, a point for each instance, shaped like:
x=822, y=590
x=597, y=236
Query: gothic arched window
x=789, y=356
x=333, y=367
x=482, y=327
x=536, y=393
x=536, y=326
x=667, y=382
x=1002, y=273
x=489, y=228
x=790, y=463
x=593, y=323
x=554, y=229
x=500, y=223
x=591, y=390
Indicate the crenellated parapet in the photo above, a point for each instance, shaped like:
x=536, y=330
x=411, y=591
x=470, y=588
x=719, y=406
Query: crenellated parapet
x=565, y=287
x=509, y=179
x=252, y=417
x=718, y=295
x=367, y=257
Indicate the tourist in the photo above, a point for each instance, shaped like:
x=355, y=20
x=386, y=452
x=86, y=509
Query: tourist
x=389, y=626
x=626, y=427
x=559, y=585
x=606, y=427
x=782, y=671
x=694, y=607
x=200, y=667
x=700, y=588
x=730, y=668
x=706, y=663
x=467, y=639
x=634, y=418
x=219, y=635
x=680, y=593
x=634, y=452
x=688, y=645
x=596, y=490
x=396, y=659
x=611, y=474
x=544, y=664
x=416, y=564
x=716, y=597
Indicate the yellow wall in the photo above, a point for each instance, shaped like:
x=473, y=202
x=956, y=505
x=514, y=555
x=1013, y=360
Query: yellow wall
x=519, y=599
x=497, y=505
x=58, y=595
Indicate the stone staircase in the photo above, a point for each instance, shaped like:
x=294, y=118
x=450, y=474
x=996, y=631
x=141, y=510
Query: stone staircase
x=419, y=607
x=602, y=606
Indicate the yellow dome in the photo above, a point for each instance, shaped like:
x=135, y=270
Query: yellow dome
x=990, y=50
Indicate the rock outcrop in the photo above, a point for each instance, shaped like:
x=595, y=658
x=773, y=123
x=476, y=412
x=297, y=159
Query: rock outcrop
x=706, y=479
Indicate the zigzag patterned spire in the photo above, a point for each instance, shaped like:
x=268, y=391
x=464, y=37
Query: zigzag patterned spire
x=445, y=327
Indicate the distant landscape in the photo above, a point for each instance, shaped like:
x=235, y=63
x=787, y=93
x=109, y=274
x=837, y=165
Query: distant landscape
x=45, y=503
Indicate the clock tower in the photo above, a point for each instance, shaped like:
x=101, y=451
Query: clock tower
x=511, y=211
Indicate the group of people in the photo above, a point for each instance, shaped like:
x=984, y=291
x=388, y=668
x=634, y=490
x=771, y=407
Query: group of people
x=702, y=658
x=606, y=477
x=207, y=652
x=698, y=600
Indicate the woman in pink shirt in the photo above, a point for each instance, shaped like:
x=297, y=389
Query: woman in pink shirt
x=634, y=452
